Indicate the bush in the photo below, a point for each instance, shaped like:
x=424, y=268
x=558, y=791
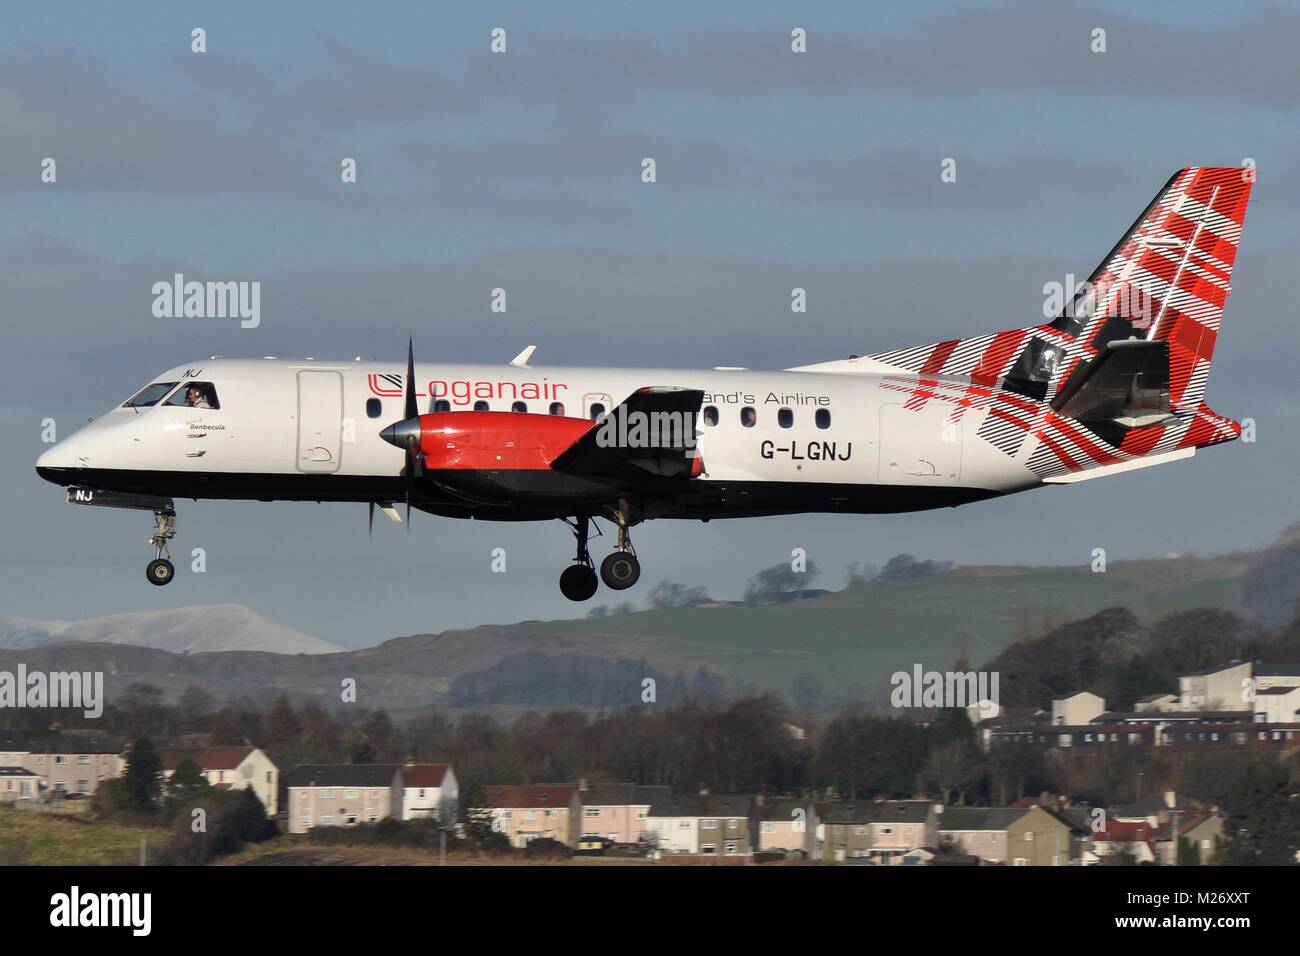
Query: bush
x=545, y=849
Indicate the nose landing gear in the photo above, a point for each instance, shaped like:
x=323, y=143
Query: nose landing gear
x=160, y=570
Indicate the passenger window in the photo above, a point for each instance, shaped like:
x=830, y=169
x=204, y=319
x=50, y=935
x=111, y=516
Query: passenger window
x=597, y=411
x=748, y=417
x=149, y=395
x=374, y=408
x=710, y=415
x=785, y=418
x=480, y=406
x=441, y=405
x=823, y=418
x=195, y=395
x=519, y=407
x=557, y=408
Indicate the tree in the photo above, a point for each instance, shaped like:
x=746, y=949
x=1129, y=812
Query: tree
x=185, y=784
x=904, y=567
x=1263, y=825
x=143, y=776
x=668, y=594
x=777, y=583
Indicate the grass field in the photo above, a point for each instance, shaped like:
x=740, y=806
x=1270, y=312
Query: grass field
x=28, y=838
x=858, y=637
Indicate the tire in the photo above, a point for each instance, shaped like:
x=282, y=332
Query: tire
x=620, y=570
x=160, y=572
x=578, y=582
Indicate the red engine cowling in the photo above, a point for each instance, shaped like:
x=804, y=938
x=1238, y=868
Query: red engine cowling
x=496, y=441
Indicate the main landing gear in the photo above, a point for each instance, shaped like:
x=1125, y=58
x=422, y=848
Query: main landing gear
x=619, y=571
x=578, y=582
x=160, y=570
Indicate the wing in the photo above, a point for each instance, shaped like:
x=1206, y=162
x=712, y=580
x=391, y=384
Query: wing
x=652, y=432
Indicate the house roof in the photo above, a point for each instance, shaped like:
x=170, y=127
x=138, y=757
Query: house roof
x=1149, y=805
x=1118, y=831
x=1276, y=690
x=622, y=795
x=1262, y=669
x=1154, y=697
x=424, y=774
x=343, y=775
x=703, y=805
x=530, y=796
x=59, y=743
x=1217, y=668
x=782, y=810
x=208, y=758
x=979, y=818
x=1186, y=823
x=891, y=811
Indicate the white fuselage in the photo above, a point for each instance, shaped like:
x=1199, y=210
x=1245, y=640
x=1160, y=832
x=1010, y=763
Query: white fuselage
x=309, y=429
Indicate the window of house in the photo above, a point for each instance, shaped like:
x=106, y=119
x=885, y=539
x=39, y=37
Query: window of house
x=710, y=415
x=327, y=794
x=352, y=794
x=886, y=829
x=642, y=814
x=327, y=819
x=591, y=811
x=708, y=848
x=60, y=759
x=748, y=416
x=83, y=759
x=768, y=826
x=823, y=418
x=1029, y=836
x=708, y=824
x=785, y=417
x=530, y=814
x=861, y=830
x=729, y=848
x=374, y=408
x=195, y=395
x=305, y=820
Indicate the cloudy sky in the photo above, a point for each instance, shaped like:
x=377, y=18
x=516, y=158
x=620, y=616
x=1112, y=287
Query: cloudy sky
x=522, y=170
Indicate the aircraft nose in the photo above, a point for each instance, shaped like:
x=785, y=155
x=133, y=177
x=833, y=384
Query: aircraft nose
x=56, y=463
x=402, y=433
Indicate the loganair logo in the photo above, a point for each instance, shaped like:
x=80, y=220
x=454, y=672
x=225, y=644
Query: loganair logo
x=463, y=391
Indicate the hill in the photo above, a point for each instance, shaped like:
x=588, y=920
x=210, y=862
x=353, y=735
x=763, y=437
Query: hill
x=182, y=630
x=839, y=645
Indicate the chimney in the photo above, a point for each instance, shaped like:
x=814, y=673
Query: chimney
x=582, y=784
x=758, y=799
x=1171, y=799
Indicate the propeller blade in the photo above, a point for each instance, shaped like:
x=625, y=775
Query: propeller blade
x=410, y=408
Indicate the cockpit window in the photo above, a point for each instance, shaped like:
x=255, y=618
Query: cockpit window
x=195, y=395
x=149, y=395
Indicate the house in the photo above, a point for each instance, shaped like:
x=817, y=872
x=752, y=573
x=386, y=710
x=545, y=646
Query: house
x=430, y=791
x=1157, y=704
x=1120, y=839
x=65, y=763
x=232, y=768
x=530, y=812
x=1045, y=837
x=882, y=832
x=1215, y=688
x=978, y=831
x=1275, y=675
x=1153, y=809
x=1277, y=705
x=788, y=826
x=1077, y=709
x=618, y=811
x=17, y=783
x=342, y=795
x=1202, y=831
x=705, y=824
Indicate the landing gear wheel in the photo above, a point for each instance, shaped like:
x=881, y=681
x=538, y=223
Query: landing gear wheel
x=160, y=571
x=578, y=582
x=620, y=570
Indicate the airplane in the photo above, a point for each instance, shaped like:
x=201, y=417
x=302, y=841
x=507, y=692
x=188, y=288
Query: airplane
x=1115, y=382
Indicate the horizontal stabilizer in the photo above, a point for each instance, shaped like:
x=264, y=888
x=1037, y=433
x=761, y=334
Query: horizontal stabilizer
x=1127, y=383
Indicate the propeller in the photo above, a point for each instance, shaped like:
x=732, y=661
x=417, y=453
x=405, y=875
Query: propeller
x=406, y=433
